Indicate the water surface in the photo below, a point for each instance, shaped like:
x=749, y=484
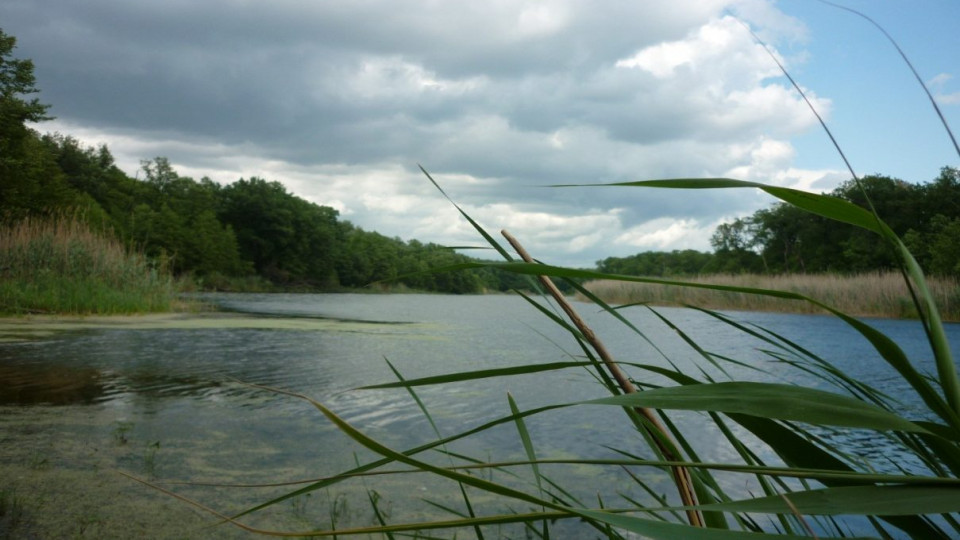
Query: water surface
x=165, y=399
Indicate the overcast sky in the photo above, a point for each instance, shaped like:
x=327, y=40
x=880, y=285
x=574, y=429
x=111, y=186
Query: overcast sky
x=340, y=100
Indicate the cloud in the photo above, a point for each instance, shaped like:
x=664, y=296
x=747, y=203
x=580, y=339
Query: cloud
x=341, y=100
x=943, y=98
x=663, y=233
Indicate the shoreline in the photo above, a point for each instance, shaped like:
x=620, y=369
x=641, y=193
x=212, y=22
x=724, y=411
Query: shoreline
x=875, y=295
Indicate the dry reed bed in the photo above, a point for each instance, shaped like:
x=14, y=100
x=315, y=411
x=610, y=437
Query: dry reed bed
x=869, y=295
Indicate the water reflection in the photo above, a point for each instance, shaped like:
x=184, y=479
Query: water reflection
x=50, y=385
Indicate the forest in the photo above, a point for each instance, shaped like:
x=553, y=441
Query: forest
x=251, y=234
x=254, y=234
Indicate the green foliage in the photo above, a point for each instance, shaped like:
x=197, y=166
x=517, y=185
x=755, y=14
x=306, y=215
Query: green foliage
x=687, y=262
x=287, y=239
x=60, y=265
x=787, y=239
x=228, y=236
x=16, y=83
x=29, y=179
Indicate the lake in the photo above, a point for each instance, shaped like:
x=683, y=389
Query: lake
x=164, y=399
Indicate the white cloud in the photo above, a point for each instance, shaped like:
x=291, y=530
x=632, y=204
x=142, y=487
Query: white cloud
x=937, y=84
x=939, y=80
x=665, y=234
x=718, y=47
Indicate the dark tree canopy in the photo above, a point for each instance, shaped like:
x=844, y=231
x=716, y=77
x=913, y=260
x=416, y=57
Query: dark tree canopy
x=16, y=83
x=29, y=180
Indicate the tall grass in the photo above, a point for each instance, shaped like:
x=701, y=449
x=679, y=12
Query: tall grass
x=877, y=294
x=61, y=265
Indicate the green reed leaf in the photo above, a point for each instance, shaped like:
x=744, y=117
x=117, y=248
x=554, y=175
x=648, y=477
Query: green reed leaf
x=475, y=375
x=526, y=440
x=769, y=400
x=855, y=500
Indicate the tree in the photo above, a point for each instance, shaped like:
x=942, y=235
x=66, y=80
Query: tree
x=288, y=239
x=30, y=181
x=16, y=82
x=160, y=174
x=733, y=245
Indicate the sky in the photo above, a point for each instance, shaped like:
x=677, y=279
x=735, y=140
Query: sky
x=499, y=100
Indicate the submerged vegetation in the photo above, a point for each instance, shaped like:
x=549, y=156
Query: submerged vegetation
x=60, y=265
x=873, y=294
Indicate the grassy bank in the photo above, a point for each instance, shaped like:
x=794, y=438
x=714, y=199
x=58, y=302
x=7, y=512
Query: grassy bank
x=60, y=265
x=868, y=295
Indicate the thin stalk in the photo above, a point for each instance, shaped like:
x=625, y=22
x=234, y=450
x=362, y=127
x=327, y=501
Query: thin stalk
x=907, y=61
x=659, y=434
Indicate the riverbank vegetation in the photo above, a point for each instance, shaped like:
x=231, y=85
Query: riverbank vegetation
x=874, y=294
x=61, y=265
x=786, y=248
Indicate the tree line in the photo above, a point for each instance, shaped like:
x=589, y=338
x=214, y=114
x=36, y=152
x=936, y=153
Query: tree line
x=784, y=239
x=218, y=234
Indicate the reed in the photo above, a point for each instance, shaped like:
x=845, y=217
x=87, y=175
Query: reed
x=875, y=294
x=61, y=265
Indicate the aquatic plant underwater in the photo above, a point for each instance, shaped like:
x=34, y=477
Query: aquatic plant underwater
x=807, y=484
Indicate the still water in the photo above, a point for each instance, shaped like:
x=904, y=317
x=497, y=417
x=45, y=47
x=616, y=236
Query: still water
x=165, y=400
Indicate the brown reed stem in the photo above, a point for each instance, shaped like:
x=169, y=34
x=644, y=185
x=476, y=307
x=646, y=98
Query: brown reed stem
x=659, y=434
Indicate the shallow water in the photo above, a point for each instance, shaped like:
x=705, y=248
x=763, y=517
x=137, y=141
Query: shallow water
x=164, y=399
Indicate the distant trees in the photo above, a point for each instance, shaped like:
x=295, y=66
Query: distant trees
x=787, y=239
x=733, y=247
x=252, y=227
x=286, y=238
x=16, y=109
x=658, y=263
x=935, y=241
